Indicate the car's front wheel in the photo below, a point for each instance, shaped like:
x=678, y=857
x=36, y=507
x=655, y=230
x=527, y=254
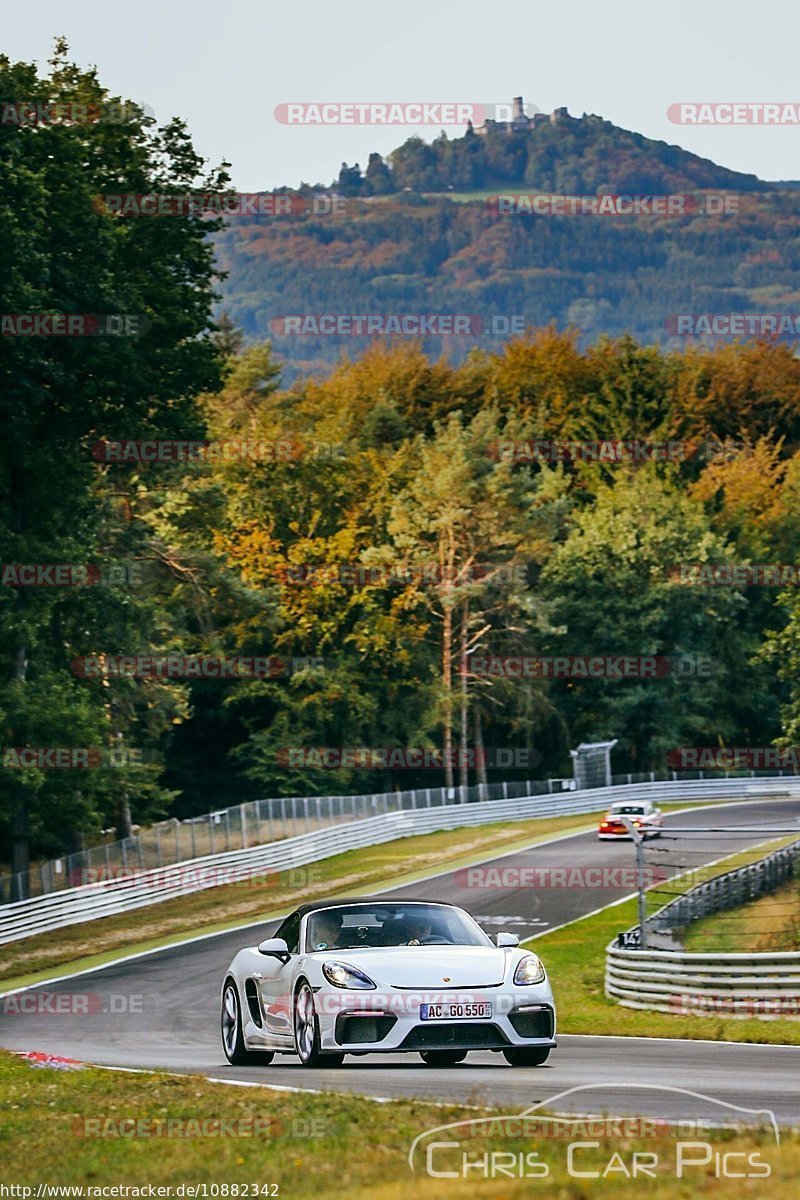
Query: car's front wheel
x=306, y=1032
x=527, y=1056
x=442, y=1058
x=232, y=1035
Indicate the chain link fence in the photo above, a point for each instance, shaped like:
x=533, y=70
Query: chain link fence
x=238, y=828
x=727, y=891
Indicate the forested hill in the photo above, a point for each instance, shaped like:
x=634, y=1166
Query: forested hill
x=418, y=247
x=550, y=153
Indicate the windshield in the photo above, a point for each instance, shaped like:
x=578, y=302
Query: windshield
x=392, y=925
x=627, y=810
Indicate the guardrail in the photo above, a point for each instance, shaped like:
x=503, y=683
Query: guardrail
x=258, y=821
x=744, y=985
x=750, y=984
x=110, y=897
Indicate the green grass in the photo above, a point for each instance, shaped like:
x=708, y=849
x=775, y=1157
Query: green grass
x=312, y=1145
x=769, y=923
x=575, y=957
x=466, y=197
x=460, y=197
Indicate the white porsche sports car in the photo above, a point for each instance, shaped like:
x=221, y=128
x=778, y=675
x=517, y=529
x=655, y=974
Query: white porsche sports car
x=371, y=976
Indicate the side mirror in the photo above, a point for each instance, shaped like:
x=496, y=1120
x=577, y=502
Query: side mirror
x=275, y=948
x=506, y=939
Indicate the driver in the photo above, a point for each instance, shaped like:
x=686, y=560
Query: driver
x=327, y=930
x=417, y=930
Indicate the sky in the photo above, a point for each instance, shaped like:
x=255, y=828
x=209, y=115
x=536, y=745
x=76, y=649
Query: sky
x=225, y=66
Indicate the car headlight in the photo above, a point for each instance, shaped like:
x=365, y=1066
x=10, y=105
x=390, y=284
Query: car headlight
x=529, y=970
x=342, y=975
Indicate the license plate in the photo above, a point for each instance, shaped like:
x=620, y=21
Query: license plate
x=455, y=1011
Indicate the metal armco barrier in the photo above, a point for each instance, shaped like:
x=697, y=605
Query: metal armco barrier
x=110, y=897
x=744, y=985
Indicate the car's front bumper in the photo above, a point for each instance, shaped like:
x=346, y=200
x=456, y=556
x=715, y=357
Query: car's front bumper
x=646, y=831
x=518, y=1019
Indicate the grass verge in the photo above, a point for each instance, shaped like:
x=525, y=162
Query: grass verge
x=769, y=923
x=94, y=1129
x=575, y=957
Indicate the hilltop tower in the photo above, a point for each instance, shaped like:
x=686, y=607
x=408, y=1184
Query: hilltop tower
x=520, y=121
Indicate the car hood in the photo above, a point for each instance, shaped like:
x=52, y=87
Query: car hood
x=430, y=966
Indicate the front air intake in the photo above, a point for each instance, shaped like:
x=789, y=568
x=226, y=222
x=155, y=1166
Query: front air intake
x=366, y=1027
x=251, y=995
x=533, y=1022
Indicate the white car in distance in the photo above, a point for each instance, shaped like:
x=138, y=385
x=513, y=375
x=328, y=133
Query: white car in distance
x=647, y=819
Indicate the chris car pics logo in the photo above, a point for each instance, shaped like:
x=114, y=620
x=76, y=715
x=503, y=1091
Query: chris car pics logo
x=547, y=1138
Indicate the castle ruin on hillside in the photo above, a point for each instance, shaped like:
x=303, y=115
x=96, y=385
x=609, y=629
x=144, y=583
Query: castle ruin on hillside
x=520, y=121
